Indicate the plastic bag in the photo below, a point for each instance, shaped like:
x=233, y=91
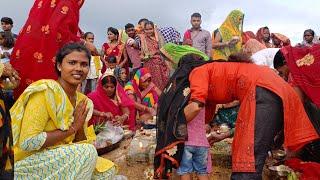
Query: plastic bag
x=142, y=147
x=110, y=135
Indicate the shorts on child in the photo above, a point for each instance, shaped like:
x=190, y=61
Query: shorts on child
x=194, y=159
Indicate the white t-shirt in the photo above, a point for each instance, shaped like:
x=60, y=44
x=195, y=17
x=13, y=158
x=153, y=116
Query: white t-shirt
x=93, y=73
x=265, y=57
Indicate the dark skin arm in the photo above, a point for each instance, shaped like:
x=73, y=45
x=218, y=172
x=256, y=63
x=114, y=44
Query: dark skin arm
x=133, y=43
x=217, y=44
x=215, y=137
x=119, y=120
x=125, y=110
x=139, y=106
x=125, y=58
x=80, y=135
x=54, y=137
x=158, y=91
x=192, y=110
x=76, y=128
x=106, y=115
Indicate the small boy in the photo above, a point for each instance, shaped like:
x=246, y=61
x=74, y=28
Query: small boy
x=111, y=63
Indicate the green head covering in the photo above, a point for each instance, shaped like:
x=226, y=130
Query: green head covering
x=174, y=52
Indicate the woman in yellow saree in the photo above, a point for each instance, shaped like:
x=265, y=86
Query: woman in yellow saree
x=228, y=38
x=51, y=137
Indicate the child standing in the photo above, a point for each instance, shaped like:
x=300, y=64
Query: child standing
x=196, y=157
x=6, y=47
x=90, y=83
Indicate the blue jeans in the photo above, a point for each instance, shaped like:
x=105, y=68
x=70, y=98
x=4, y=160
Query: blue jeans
x=194, y=159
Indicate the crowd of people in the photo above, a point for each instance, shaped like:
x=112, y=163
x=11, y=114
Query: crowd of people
x=58, y=86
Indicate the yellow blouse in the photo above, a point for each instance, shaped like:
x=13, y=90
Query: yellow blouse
x=36, y=121
x=35, y=108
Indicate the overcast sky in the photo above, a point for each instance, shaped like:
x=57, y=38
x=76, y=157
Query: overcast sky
x=289, y=17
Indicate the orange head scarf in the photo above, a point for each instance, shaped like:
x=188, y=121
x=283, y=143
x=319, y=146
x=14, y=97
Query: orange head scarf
x=284, y=40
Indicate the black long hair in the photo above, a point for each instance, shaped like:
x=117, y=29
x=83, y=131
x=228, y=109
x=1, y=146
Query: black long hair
x=279, y=60
x=114, y=31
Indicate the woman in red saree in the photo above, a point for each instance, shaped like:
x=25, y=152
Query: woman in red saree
x=150, y=44
x=114, y=48
x=263, y=36
x=247, y=35
x=301, y=67
x=267, y=104
x=50, y=25
x=280, y=40
x=111, y=102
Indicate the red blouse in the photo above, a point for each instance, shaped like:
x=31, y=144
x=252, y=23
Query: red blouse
x=109, y=51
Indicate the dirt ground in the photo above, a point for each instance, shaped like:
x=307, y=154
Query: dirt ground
x=135, y=171
x=221, y=161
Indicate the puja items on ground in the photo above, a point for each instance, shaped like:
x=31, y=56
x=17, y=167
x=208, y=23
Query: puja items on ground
x=142, y=146
x=223, y=128
x=127, y=133
x=150, y=123
x=108, y=135
x=278, y=154
x=281, y=172
x=275, y=167
x=148, y=174
x=221, y=150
